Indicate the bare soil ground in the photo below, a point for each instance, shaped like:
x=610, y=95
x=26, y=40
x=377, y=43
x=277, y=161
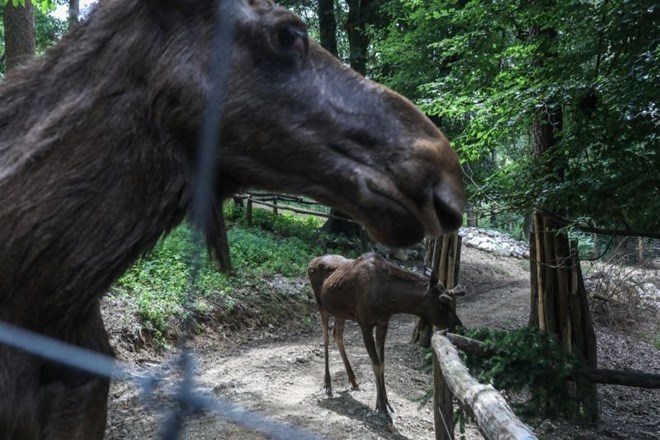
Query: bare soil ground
x=277, y=370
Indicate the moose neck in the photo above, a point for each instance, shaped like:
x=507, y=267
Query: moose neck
x=82, y=154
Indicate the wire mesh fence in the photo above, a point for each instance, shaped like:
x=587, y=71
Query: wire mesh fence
x=186, y=399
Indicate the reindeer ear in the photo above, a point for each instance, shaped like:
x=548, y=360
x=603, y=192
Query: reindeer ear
x=457, y=291
x=445, y=298
x=433, y=279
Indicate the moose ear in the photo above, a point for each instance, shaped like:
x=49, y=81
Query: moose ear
x=169, y=12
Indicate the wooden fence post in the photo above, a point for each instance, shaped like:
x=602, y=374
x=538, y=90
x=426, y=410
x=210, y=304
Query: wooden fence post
x=443, y=410
x=248, y=211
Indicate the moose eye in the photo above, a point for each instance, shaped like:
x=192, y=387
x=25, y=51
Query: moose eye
x=291, y=37
x=287, y=36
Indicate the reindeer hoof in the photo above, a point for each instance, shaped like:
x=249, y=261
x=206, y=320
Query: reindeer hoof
x=387, y=418
x=385, y=415
x=328, y=391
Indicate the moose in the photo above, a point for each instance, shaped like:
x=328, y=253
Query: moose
x=98, y=143
x=369, y=290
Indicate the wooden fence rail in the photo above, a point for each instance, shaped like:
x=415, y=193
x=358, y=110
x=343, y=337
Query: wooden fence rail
x=270, y=200
x=494, y=417
x=491, y=412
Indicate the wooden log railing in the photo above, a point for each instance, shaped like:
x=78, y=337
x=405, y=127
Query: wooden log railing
x=493, y=415
x=628, y=378
x=491, y=412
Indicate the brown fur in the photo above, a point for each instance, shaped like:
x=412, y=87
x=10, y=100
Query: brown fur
x=97, y=145
x=369, y=290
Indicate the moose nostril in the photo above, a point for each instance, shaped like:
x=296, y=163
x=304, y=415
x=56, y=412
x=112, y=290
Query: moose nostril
x=448, y=206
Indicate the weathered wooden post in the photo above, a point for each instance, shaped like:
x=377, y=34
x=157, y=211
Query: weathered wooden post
x=443, y=408
x=248, y=211
x=559, y=302
x=443, y=256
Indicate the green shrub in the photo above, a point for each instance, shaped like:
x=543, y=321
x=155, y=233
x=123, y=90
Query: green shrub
x=527, y=360
x=159, y=283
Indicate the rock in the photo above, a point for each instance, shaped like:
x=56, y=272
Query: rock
x=494, y=242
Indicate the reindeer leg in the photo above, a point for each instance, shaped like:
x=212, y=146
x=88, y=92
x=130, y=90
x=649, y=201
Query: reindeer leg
x=327, y=385
x=339, y=340
x=381, y=400
x=381, y=334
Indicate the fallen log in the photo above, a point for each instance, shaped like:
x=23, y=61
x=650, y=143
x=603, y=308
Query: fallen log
x=628, y=378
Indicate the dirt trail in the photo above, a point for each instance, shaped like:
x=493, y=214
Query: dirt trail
x=284, y=379
x=281, y=375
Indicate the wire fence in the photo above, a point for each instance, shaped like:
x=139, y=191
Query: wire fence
x=188, y=400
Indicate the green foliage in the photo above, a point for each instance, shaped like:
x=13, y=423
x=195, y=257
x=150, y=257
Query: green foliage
x=486, y=70
x=527, y=360
x=160, y=282
x=48, y=30
x=257, y=252
x=43, y=5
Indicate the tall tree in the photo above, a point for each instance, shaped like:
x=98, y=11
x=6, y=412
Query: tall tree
x=361, y=14
x=20, y=42
x=74, y=12
x=558, y=298
x=328, y=26
x=566, y=93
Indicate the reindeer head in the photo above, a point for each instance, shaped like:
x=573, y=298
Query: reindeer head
x=297, y=120
x=442, y=312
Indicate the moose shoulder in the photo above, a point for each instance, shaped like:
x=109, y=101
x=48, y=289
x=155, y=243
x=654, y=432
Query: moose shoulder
x=97, y=145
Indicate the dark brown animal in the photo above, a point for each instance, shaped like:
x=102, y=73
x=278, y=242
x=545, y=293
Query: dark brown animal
x=97, y=145
x=369, y=290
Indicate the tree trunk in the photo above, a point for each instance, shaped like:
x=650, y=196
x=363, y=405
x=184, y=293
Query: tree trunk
x=338, y=226
x=560, y=298
x=19, y=34
x=358, y=39
x=359, y=14
x=74, y=12
x=471, y=219
x=444, y=259
x=558, y=295
x=328, y=26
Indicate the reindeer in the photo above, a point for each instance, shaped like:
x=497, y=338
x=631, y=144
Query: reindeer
x=98, y=140
x=369, y=290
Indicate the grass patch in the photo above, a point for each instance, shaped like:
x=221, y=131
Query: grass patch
x=158, y=283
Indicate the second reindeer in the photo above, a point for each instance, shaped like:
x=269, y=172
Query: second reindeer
x=369, y=290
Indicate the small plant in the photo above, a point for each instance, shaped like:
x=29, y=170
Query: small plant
x=527, y=360
x=621, y=292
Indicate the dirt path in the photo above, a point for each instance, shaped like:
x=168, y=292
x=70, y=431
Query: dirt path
x=279, y=374
x=284, y=379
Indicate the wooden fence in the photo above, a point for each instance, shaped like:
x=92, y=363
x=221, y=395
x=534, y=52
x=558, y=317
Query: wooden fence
x=489, y=409
x=493, y=415
x=271, y=201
